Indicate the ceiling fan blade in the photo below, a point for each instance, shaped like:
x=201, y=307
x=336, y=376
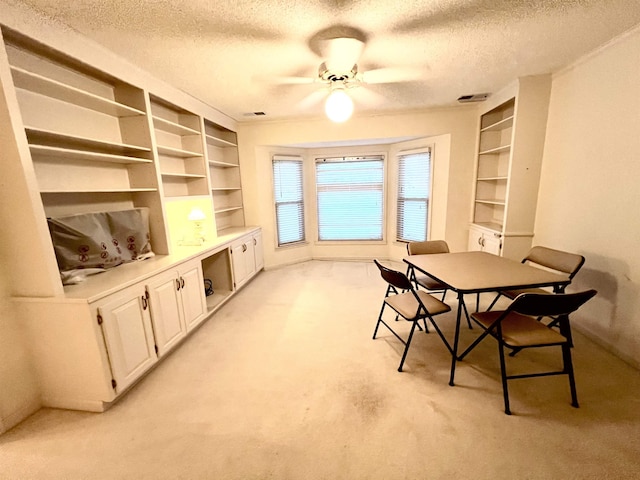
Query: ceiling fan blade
x=313, y=99
x=286, y=80
x=366, y=97
x=341, y=54
x=392, y=75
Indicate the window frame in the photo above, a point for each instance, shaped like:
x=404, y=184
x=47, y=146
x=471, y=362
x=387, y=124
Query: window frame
x=373, y=156
x=428, y=200
x=302, y=226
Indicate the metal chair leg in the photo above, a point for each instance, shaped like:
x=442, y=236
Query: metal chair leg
x=568, y=368
x=503, y=372
x=406, y=348
x=494, y=301
x=375, y=332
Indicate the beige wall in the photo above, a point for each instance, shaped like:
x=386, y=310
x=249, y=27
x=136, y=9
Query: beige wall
x=589, y=198
x=19, y=395
x=450, y=132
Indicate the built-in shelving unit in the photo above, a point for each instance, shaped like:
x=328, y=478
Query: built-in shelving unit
x=180, y=150
x=509, y=153
x=224, y=171
x=496, y=129
x=83, y=132
x=88, y=135
x=33, y=82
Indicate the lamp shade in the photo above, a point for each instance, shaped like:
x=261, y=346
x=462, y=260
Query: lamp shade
x=196, y=215
x=338, y=106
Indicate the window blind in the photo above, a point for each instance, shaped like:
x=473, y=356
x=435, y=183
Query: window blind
x=414, y=190
x=350, y=198
x=289, y=199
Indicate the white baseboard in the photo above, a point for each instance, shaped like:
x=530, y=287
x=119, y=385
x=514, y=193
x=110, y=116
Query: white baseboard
x=14, y=418
x=75, y=404
x=633, y=362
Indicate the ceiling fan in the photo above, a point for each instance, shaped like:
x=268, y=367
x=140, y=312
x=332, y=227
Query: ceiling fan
x=339, y=74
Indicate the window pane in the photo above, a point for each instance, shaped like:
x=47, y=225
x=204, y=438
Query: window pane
x=413, y=213
x=289, y=219
x=413, y=196
x=287, y=180
x=350, y=199
x=289, y=200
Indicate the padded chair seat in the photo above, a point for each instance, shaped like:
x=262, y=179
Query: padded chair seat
x=407, y=305
x=512, y=294
x=429, y=283
x=521, y=330
x=412, y=305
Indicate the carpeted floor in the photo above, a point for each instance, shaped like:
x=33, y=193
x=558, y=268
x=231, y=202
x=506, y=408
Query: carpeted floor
x=285, y=382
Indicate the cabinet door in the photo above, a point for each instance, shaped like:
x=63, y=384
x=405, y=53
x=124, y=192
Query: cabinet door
x=166, y=307
x=258, y=252
x=482, y=241
x=249, y=257
x=194, y=303
x=491, y=244
x=475, y=240
x=239, y=264
x=126, y=325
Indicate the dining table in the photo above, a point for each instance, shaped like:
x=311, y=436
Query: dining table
x=478, y=272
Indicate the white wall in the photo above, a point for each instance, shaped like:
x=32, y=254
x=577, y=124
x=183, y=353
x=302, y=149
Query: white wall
x=451, y=133
x=589, y=199
x=19, y=395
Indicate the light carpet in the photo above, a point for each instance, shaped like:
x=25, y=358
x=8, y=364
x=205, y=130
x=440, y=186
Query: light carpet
x=285, y=382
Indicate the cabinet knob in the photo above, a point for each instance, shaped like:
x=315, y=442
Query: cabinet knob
x=177, y=284
x=145, y=303
x=181, y=282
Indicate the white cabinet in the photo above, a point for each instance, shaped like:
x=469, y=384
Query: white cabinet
x=484, y=241
x=243, y=258
x=177, y=304
x=166, y=309
x=511, y=136
x=128, y=335
x=258, y=251
x=194, y=305
x=97, y=340
x=247, y=258
x=83, y=135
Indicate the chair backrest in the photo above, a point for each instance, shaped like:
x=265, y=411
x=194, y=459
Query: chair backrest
x=427, y=247
x=557, y=260
x=544, y=305
x=393, y=277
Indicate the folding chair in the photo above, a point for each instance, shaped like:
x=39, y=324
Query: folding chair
x=426, y=248
x=518, y=327
x=556, y=260
x=410, y=304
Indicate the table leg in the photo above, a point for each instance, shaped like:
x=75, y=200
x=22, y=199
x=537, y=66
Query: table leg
x=454, y=354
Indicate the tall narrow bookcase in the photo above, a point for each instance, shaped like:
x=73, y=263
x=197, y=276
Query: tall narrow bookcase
x=510, y=144
x=224, y=171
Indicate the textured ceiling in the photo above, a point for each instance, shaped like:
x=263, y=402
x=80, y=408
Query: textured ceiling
x=230, y=53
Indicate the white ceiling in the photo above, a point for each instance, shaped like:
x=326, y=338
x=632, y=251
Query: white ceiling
x=227, y=53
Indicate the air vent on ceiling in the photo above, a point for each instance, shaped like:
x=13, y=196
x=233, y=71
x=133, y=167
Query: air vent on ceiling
x=254, y=114
x=478, y=97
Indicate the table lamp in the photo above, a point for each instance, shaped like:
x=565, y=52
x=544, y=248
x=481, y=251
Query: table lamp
x=196, y=217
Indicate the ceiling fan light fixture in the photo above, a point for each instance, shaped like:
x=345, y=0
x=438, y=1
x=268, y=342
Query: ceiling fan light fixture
x=338, y=106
